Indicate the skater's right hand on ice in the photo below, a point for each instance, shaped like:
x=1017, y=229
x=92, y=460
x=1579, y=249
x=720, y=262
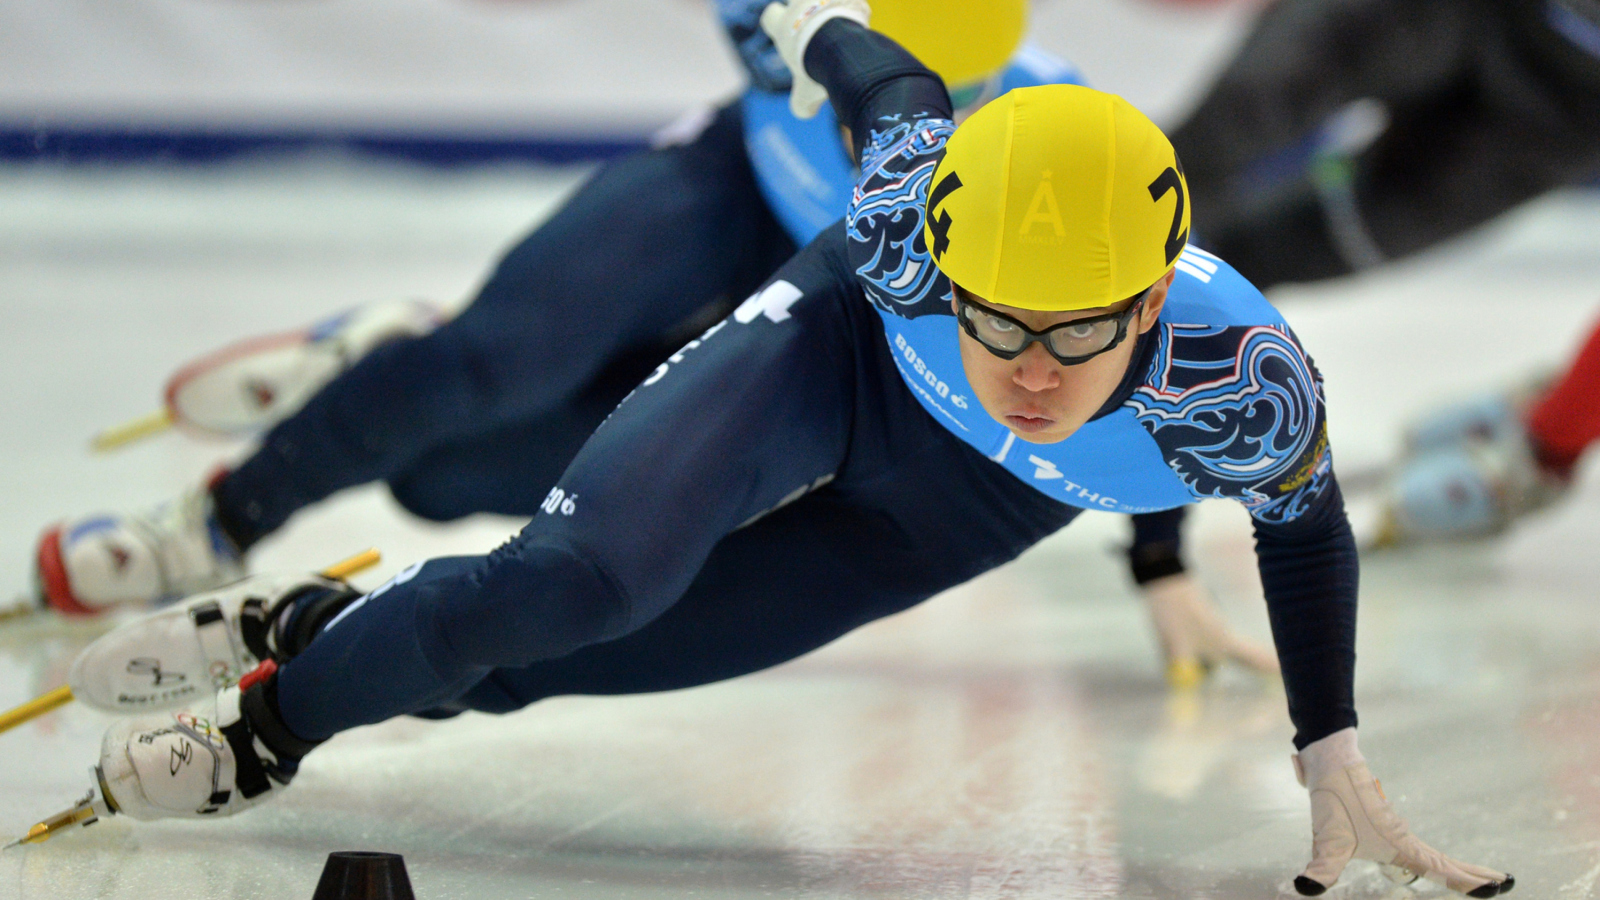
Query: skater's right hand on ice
x=1352, y=819
x=791, y=26
x=1194, y=637
x=187, y=651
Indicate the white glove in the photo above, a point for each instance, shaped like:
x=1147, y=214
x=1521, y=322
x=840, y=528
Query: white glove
x=791, y=26
x=1194, y=637
x=1352, y=819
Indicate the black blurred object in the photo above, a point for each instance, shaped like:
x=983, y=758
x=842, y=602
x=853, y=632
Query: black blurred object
x=364, y=875
x=1349, y=132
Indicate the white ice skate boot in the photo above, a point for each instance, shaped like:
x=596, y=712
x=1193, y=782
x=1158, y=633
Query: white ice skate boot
x=1475, y=487
x=90, y=565
x=171, y=658
x=218, y=759
x=1195, y=638
x=254, y=383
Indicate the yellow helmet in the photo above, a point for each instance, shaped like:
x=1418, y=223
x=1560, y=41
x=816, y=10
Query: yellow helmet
x=962, y=40
x=1057, y=198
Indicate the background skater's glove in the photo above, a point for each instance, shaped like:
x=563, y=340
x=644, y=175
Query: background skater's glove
x=1351, y=819
x=791, y=26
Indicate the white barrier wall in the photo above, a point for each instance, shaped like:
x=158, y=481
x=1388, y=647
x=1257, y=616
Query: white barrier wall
x=475, y=65
x=487, y=70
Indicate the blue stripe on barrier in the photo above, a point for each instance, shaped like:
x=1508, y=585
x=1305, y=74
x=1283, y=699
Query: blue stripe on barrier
x=56, y=144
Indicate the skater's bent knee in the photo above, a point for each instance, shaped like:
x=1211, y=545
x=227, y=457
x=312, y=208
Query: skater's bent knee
x=535, y=603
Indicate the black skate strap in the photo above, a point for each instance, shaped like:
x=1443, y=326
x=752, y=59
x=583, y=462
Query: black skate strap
x=259, y=707
x=280, y=632
x=254, y=626
x=314, y=608
x=249, y=775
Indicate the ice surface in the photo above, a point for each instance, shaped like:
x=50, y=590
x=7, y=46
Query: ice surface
x=1010, y=739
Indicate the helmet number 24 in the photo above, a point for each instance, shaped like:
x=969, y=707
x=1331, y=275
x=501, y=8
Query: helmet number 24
x=1169, y=181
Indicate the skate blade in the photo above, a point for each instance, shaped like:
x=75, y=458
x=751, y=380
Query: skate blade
x=87, y=811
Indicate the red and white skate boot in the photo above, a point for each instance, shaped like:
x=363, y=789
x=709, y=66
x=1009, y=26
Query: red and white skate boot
x=215, y=760
x=252, y=384
x=170, y=658
x=89, y=565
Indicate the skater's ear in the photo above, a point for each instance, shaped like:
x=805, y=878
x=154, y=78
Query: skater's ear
x=1154, y=301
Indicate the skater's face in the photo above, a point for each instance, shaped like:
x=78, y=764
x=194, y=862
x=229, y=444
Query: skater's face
x=1034, y=395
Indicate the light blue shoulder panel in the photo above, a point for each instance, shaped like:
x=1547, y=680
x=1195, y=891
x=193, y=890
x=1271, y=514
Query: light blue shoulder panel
x=1113, y=463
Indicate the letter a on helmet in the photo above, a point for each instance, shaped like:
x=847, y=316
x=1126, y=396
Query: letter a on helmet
x=1057, y=198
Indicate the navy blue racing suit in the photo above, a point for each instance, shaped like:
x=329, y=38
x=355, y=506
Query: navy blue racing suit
x=814, y=462
x=485, y=413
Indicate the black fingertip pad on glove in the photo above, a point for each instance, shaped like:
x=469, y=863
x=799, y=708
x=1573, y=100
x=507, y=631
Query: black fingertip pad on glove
x=1494, y=889
x=1308, y=887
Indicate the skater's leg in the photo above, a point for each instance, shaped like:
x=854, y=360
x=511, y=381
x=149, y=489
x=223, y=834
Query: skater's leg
x=1506, y=137
x=755, y=409
x=778, y=589
x=912, y=512
x=642, y=248
x=510, y=471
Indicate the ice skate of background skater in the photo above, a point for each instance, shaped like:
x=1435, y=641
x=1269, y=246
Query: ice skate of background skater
x=484, y=414
x=1345, y=133
x=994, y=339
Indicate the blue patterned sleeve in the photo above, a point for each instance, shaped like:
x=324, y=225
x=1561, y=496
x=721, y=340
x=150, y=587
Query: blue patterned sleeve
x=884, y=223
x=1238, y=413
x=899, y=115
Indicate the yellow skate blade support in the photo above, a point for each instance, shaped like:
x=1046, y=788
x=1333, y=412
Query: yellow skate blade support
x=23, y=607
x=61, y=696
x=35, y=708
x=83, y=813
x=128, y=432
x=342, y=570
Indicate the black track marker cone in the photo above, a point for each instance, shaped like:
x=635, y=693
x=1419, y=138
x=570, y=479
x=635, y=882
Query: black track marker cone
x=361, y=875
